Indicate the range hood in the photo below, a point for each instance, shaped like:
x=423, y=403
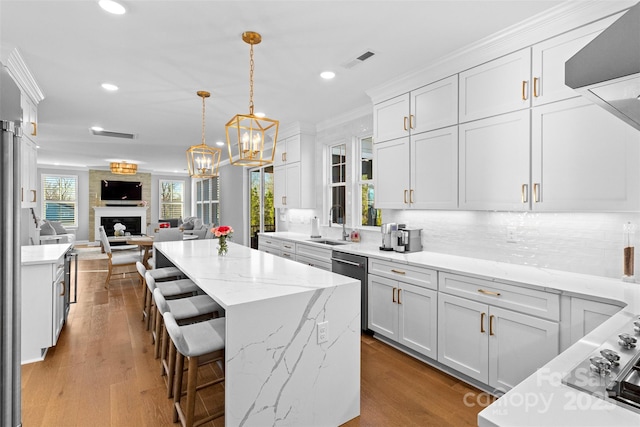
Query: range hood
x=607, y=70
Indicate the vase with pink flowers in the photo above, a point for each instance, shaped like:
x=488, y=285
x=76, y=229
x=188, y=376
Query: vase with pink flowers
x=223, y=233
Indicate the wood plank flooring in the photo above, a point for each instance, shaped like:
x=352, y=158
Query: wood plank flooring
x=103, y=373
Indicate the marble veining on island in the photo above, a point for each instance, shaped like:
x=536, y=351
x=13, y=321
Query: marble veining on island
x=277, y=373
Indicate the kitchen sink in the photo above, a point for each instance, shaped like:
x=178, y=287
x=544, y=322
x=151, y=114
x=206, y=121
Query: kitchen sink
x=328, y=242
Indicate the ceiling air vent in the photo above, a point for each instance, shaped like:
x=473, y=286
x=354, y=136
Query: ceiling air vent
x=359, y=59
x=113, y=134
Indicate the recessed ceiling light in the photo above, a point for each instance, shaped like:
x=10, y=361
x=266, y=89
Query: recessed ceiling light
x=219, y=143
x=260, y=115
x=96, y=128
x=110, y=87
x=327, y=75
x=112, y=7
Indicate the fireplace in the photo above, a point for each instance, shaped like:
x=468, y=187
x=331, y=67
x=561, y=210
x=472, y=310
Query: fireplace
x=131, y=222
x=134, y=218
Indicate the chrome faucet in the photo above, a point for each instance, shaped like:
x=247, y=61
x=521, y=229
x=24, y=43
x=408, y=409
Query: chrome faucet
x=344, y=220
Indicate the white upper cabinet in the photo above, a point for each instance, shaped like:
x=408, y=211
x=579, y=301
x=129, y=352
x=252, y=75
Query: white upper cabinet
x=583, y=159
x=494, y=163
x=430, y=107
x=391, y=119
x=434, y=169
x=29, y=118
x=434, y=106
x=293, y=172
x=550, y=56
x=496, y=87
x=287, y=150
x=430, y=181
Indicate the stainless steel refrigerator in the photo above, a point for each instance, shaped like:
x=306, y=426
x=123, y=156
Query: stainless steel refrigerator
x=10, y=176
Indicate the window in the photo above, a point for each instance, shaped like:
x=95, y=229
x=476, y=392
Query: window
x=370, y=216
x=338, y=185
x=208, y=200
x=59, y=201
x=263, y=213
x=171, y=199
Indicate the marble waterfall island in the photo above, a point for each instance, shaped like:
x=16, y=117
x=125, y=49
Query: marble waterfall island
x=277, y=370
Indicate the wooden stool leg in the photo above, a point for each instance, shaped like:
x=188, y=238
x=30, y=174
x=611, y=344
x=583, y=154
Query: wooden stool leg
x=158, y=328
x=145, y=312
x=177, y=385
x=106, y=282
x=171, y=368
x=149, y=306
x=192, y=378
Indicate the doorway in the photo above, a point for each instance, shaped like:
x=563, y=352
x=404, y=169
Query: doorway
x=263, y=214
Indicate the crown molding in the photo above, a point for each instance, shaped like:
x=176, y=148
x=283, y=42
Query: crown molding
x=349, y=116
x=553, y=22
x=21, y=74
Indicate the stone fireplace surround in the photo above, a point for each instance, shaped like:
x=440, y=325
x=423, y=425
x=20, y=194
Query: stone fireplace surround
x=106, y=215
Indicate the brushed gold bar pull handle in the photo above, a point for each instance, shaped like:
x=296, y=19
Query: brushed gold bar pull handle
x=411, y=125
x=404, y=197
x=63, y=289
x=34, y=129
x=284, y=200
x=524, y=193
x=405, y=123
x=22, y=194
x=482, y=322
x=288, y=247
x=285, y=156
x=535, y=87
x=524, y=92
x=35, y=196
x=394, y=295
x=491, y=325
x=484, y=291
x=393, y=270
x=410, y=196
x=536, y=192
x=399, y=302
x=282, y=157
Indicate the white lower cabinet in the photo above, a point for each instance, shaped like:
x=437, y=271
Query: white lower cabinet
x=404, y=313
x=43, y=289
x=492, y=345
x=586, y=315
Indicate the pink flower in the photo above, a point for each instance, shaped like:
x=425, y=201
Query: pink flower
x=223, y=230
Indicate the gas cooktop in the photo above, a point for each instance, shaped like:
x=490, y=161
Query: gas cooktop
x=612, y=372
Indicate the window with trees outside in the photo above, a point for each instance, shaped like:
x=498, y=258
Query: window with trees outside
x=208, y=200
x=370, y=216
x=338, y=184
x=263, y=213
x=59, y=198
x=171, y=199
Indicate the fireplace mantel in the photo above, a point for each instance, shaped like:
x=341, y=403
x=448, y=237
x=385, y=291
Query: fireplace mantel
x=108, y=211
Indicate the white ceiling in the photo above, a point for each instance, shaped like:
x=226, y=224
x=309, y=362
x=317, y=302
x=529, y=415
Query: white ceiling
x=161, y=52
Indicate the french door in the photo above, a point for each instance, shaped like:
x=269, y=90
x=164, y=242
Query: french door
x=263, y=213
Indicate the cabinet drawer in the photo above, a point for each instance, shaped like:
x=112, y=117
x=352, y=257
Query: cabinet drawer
x=288, y=255
x=524, y=300
x=309, y=251
x=268, y=242
x=314, y=262
x=288, y=247
x=418, y=276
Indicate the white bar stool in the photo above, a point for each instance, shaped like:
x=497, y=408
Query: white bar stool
x=184, y=310
x=193, y=342
x=159, y=274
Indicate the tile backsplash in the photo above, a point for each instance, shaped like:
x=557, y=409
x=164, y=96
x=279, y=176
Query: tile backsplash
x=589, y=243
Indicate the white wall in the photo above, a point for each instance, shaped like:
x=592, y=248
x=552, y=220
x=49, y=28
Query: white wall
x=234, y=201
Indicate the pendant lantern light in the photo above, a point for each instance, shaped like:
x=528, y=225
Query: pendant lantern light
x=203, y=160
x=251, y=140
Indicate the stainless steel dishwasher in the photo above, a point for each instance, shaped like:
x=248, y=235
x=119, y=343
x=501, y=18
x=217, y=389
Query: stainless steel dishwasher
x=354, y=266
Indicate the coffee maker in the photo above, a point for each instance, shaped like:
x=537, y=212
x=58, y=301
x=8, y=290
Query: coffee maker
x=407, y=239
x=388, y=232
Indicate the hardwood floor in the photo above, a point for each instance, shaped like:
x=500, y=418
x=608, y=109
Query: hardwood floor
x=103, y=373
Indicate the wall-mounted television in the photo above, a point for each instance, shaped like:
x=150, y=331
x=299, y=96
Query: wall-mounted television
x=120, y=190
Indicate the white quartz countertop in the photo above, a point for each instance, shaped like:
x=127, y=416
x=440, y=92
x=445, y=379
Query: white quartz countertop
x=43, y=254
x=541, y=399
x=244, y=275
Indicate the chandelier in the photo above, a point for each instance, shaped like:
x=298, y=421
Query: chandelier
x=123, y=168
x=250, y=136
x=203, y=160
